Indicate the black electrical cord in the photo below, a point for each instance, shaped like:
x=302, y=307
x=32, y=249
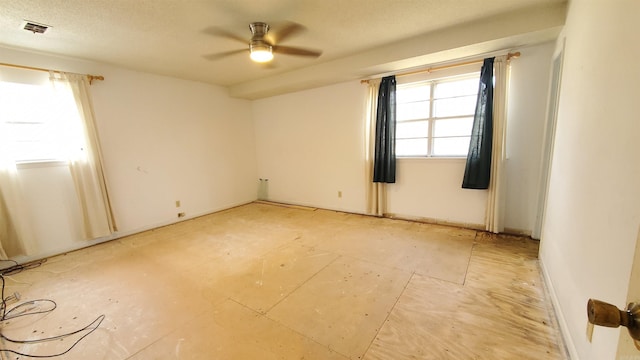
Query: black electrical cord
x=17, y=268
x=17, y=311
x=97, y=323
x=15, y=263
x=7, y=315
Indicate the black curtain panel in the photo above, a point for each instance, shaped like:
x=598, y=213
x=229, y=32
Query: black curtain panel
x=478, y=169
x=384, y=166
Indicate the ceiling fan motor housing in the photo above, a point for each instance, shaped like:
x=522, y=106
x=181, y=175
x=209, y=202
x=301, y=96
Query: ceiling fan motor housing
x=260, y=49
x=262, y=46
x=259, y=30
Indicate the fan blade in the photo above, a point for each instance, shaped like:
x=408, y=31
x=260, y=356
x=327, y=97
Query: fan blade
x=295, y=51
x=269, y=65
x=223, y=54
x=215, y=31
x=284, y=31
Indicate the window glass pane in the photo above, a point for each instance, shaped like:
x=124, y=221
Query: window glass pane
x=33, y=141
x=413, y=110
x=441, y=128
x=25, y=150
x=465, y=105
x=412, y=147
x=413, y=93
x=453, y=127
x=453, y=146
x=36, y=124
x=412, y=129
x=457, y=88
x=26, y=131
x=35, y=150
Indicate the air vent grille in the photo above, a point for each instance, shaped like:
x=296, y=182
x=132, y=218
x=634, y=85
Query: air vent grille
x=34, y=27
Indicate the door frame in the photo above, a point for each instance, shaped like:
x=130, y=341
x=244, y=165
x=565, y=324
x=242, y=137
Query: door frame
x=548, y=141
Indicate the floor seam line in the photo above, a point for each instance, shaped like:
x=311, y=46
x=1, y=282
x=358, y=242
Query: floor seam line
x=302, y=284
x=281, y=324
x=387, y=317
x=466, y=271
x=305, y=336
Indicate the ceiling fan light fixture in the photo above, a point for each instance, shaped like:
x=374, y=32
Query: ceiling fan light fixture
x=261, y=46
x=261, y=53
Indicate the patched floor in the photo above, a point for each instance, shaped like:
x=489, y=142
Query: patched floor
x=263, y=281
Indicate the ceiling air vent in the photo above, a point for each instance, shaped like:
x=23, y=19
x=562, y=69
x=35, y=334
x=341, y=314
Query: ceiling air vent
x=35, y=27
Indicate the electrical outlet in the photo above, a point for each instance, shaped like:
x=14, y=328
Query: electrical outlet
x=339, y=194
x=177, y=203
x=181, y=214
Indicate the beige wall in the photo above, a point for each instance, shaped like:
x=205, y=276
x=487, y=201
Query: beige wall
x=310, y=145
x=530, y=75
x=167, y=139
x=593, y=208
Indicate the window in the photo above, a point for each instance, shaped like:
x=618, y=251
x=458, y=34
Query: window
x=434, y=118
x=37, y=123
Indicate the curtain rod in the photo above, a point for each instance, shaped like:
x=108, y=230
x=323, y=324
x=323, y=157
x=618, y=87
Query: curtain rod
x=91, y=77
x=436, y=68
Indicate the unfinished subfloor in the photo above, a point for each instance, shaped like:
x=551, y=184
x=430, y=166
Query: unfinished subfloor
x=262, y=281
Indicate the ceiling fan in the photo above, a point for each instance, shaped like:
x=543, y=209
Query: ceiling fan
x=263, y=44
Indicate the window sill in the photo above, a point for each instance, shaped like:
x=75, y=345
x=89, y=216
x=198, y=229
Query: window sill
x=41, y=164
x=432, y=158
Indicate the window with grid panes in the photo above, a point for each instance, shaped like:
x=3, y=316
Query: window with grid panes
x=434, y=118
x=36, y=123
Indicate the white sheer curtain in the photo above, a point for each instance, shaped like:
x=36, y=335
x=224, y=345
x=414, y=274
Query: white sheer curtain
x=16, y=237
x=494, y=219
x=376, y=191
x=85, y=162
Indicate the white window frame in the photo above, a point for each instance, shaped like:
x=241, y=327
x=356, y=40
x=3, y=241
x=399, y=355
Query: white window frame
x=432, y=81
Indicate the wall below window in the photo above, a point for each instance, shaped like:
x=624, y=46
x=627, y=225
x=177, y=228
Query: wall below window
x=431, y=189
x=52, y=206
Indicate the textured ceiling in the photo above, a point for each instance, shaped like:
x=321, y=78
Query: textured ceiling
x=168, y=36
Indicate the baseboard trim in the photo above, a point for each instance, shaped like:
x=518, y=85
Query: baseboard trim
x=519, y=232
x=426, y=220
x=119, y=235
x=293, y=206
x=567, y=340
x=82, y=244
